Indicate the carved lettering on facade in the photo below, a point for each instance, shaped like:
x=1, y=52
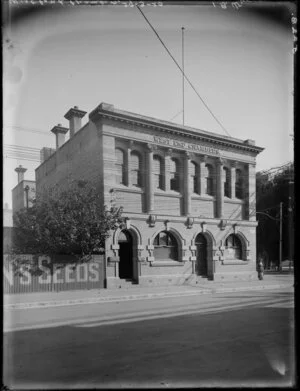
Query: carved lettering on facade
x=189, y=146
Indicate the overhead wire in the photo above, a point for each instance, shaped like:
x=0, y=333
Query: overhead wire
x=24, y=129
x=184, y=75
x=176, y=115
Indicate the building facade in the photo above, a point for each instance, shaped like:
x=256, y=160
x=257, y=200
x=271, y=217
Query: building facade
x=23, y=193
x=188, y=196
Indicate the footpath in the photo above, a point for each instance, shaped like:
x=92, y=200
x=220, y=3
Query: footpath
x=136, y=292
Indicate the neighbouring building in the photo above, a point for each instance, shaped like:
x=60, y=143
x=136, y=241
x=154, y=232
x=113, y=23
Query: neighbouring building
x=24, y=192
x=7, y=228
x=7, y=216
x=188, y=195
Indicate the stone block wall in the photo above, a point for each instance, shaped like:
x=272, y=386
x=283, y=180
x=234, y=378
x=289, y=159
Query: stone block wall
x=79, y=158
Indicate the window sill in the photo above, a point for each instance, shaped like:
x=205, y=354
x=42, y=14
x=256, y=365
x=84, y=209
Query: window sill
x=233, y=200
x=166, y=263
x=163, y=193
x=130, y=189
x=205, y=197
x=234, y=262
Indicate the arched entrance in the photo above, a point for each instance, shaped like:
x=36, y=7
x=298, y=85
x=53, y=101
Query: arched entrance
x=126, y=255
x=201, y=254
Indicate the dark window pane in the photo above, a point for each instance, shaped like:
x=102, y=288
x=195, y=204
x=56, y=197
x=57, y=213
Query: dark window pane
x=162, y=239
x=209, y=186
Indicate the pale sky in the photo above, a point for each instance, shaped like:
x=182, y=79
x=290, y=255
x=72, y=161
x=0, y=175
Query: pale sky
x=240, y=63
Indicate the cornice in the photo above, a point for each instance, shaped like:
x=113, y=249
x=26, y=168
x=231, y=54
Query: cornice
x=172, y=129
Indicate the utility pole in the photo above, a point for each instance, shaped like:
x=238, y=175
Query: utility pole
x=280, y=240
x=182, y=29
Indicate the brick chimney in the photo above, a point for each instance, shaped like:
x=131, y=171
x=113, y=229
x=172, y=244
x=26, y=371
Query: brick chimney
x=45, y=153
x=20, y=170
x=59, y=132
x=74, y=116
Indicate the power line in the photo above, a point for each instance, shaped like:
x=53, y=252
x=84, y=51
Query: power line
x=24, y=129
x=21, y=148
x=21, y=158
x=271, y=207
x=178, y=66
x=176, y=115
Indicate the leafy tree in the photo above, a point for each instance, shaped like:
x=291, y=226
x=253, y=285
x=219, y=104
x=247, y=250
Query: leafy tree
x=270, y=191
x=71, y=221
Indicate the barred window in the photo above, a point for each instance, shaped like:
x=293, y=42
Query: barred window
x=209, y=179
x=194, y=173
x=233, y=247
x=238, y=184
x=135, y=169
x=174, y=175
x=158, y=172
x=120, y=167
x=165, y=247
x=226, y=182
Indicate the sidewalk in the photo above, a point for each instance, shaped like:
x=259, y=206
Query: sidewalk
x=54, y=299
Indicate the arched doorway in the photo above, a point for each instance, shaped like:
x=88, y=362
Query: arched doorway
x=126, y=255
x=201, y=254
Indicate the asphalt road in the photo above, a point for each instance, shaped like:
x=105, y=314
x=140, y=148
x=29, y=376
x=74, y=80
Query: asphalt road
x=232, y=339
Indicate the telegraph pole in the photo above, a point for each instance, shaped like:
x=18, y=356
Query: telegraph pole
x=280, y=240
x=182, y=29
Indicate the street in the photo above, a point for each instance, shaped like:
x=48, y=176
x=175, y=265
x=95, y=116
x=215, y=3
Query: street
x=229, y=339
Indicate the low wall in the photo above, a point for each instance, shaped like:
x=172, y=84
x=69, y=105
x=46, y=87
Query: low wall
x=29, y=273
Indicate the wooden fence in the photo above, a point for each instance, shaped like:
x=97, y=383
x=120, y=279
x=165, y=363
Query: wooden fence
x=28, y=273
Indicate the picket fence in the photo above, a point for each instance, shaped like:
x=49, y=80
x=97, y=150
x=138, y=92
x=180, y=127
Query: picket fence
x=30, y=273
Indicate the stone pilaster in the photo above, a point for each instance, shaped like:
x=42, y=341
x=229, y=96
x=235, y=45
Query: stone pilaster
x=167, y=169
x=187, y=187
x=108, y=168
x=250, y=192
x=232, y=179
x=149, y=173
x=202, y=179
x=220, y=188
x=128, y=164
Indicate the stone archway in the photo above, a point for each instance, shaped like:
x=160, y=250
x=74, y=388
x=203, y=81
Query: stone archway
x=181, y=247
x=201, y=255
x=125, y=255
x=126, y=243
x=243, y=242
x=207, y=269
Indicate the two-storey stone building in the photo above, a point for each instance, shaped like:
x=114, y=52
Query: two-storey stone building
x=188, y=196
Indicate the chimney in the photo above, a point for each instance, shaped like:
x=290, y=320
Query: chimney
x=45, y=153
x=59, y=132
x=74, y=116
x=20, y=170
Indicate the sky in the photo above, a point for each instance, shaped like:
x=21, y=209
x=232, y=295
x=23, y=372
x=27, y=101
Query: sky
x=240, y=61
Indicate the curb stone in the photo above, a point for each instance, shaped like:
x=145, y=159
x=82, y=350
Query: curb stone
x=61, y=303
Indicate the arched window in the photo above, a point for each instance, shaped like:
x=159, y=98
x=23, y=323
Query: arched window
x=233, y=247
x=120, y=167
x=226, y=182
x=165, y=247
x=194, y=177
x=238, y=184
x=158, y=172
x=135, y=169
x=174, y=175
x=209, y=179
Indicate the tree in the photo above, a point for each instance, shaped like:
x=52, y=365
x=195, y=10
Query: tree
x=71, y=221
x=270, y=191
